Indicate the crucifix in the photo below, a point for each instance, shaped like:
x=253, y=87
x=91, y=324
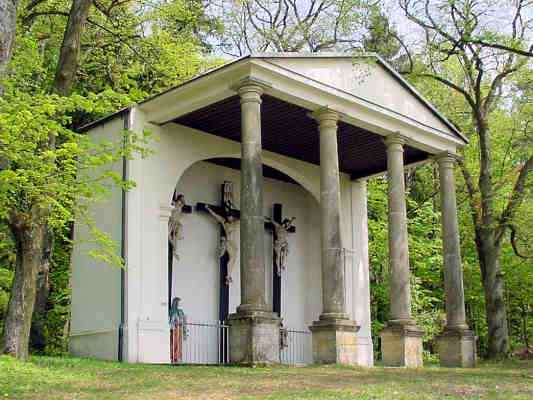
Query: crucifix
x=228, y=218
x=280, y=228
x=175, y=233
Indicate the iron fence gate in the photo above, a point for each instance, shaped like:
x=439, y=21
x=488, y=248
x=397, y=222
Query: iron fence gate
x=205, y=343
x=296, y=347
x=208, y=343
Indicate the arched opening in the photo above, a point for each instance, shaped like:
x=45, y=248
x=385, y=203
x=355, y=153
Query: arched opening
x=197, y=276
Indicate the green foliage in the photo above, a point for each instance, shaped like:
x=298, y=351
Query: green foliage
x=6, y=277
x=275, y=26
x=425, y=249
x=58, y=180
x=511, y=139
x=380, y=37
x=55, y=323
x=129, y=51
x=7, y=260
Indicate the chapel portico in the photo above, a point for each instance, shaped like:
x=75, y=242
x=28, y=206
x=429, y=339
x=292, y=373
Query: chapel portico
x=328, y=126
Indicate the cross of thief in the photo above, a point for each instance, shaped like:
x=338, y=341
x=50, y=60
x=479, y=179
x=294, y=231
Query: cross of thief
x=280, y=228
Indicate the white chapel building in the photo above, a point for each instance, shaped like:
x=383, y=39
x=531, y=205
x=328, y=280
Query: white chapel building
x=278, y=136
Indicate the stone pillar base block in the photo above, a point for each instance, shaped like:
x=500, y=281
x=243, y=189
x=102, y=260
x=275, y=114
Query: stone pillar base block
x=457, y=348
x=401, y=345
x=254, y=338
x=335, y=341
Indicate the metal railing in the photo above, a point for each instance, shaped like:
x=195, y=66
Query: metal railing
x=296, y=347
x=205, y=343
x=208, y=343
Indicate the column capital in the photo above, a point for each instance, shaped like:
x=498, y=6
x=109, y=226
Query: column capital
x=395, y=141
x=326, y=117
x=446, y=159
x=250, y=90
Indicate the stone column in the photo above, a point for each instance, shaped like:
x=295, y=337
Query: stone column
x=401, y=340
x=251, y=202
x=456, y=344
x=334, y=334
x=254, y=333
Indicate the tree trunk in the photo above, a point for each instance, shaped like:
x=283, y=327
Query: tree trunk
x=66, y=69
x=493, y=286
x=489, y=248
x=29, y=239
x=70, y=48
x=8, y=27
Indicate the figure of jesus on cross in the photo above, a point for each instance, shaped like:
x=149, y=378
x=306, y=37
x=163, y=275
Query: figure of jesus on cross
x=228, y=242
x=281, y=243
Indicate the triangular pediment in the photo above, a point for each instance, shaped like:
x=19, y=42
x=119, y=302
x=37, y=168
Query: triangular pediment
x=368, y=78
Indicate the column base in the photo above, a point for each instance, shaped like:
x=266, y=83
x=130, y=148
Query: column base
x=457, y=348
x=401, y=345
x=254, y=337
x=335, y=341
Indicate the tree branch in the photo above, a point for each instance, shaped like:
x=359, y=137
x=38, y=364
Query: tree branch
x=520, y=52
x=517, y=197
x=514, y=244
x=471, y=190
x=452, y=85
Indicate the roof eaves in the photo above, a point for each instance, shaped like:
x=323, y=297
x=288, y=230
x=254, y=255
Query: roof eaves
x=380, y=60
x=195, y=78
x=90, y=125
x=301, y=55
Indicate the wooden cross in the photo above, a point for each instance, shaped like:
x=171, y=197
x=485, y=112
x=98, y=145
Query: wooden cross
x=276, y=278
x=224, y=209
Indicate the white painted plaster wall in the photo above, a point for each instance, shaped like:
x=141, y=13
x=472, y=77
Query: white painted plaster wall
x=196, y=273
x=198, y=263
x=96, y=285
x=358, y=281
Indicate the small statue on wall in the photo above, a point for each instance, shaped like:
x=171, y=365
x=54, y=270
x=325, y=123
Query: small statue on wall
x=281, y=243
x=228, y=242
x=175, y=227
x=178, y=330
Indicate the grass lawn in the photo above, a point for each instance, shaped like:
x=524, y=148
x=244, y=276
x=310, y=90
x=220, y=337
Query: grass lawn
x=74, y=378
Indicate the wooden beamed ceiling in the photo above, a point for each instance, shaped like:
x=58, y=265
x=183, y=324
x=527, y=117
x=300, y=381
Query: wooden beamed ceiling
x=288, y=130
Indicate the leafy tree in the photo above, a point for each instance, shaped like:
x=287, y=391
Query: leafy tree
x=6, y=271
x=468, y=55
x=425, y=251
x=381, y=37
x=291, y=26
x=43, y=178
x=44, y=188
